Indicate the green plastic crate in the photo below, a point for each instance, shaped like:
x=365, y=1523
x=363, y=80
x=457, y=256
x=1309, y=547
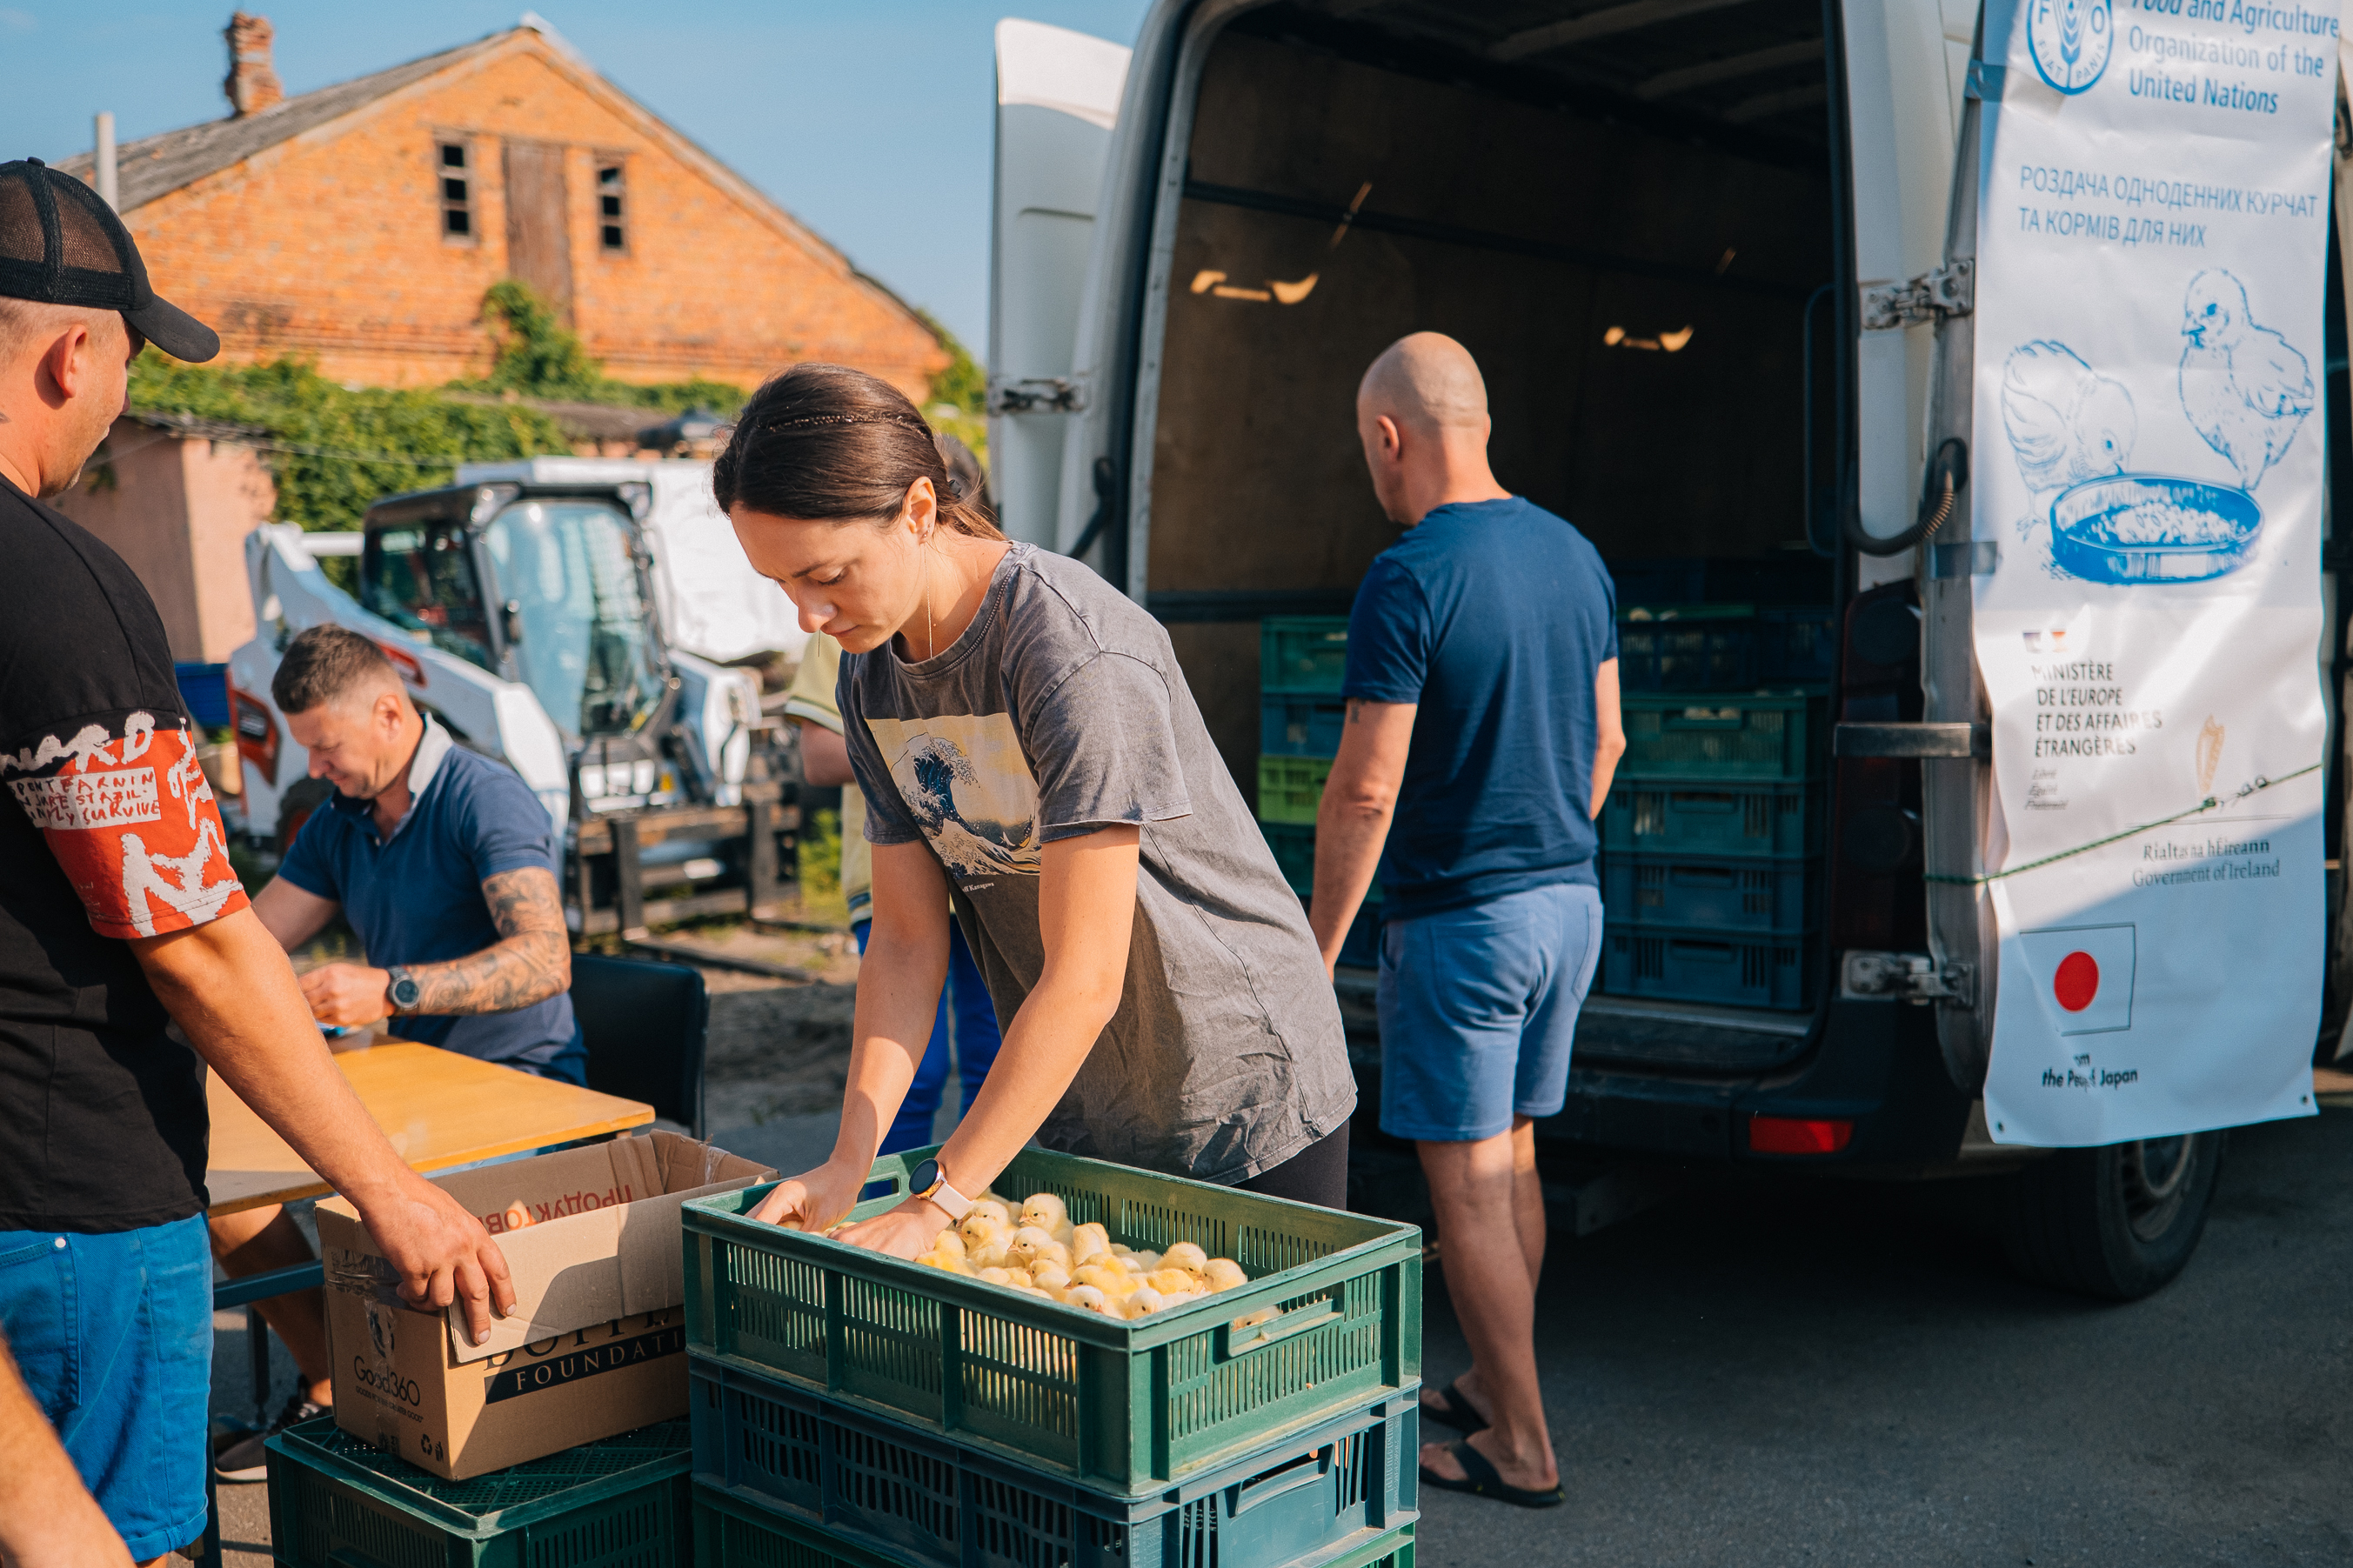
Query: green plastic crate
x=1130, y=1407
x=730, y=1533
x=939, y=1503
x=1761, y=735
x=337, y=1502
x=1290, y=788
x=1306, y=654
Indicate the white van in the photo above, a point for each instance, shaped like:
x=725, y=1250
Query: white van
x=1712, y=259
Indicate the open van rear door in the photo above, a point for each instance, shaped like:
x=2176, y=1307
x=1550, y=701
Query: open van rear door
x=1058, y=95
x=1912, y=156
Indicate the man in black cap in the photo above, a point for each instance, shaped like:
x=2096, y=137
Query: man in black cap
x=120, y=915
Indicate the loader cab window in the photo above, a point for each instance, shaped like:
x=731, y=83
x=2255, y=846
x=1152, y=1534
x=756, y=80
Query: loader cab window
x=421, y=578
x=579, y=630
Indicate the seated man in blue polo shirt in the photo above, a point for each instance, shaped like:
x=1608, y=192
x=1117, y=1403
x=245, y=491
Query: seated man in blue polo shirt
x=444, y=863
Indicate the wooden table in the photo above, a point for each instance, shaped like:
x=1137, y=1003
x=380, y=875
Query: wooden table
x=439, y=1109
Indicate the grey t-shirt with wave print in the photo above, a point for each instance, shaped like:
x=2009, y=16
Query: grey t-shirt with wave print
x=1058, y=711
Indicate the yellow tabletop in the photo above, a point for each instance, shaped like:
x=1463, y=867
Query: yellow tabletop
x=439, y=1109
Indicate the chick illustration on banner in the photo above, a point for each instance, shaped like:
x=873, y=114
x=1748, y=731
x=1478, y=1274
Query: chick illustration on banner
x=2246, y=388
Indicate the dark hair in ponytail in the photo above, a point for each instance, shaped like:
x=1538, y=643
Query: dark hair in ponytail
x=824, y=441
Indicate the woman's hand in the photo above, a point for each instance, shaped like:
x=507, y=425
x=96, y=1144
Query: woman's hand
x=814, y=1199
x=907, y=1231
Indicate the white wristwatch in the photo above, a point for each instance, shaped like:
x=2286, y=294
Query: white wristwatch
x=931, y=1184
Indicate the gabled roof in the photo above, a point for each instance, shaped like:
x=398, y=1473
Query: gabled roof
x=157, y=165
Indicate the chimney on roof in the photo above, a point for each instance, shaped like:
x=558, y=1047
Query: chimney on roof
x=252, y=85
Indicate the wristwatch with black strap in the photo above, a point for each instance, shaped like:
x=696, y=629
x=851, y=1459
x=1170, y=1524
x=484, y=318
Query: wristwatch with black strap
x=401, y=990
x=931, y=1185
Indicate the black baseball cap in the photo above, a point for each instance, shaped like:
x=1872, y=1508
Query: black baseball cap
x=61, y=244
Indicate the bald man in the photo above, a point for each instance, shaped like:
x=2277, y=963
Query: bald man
x=1482, y=732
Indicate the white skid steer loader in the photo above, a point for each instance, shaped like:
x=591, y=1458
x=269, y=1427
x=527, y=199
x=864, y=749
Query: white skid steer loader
x=523, y=612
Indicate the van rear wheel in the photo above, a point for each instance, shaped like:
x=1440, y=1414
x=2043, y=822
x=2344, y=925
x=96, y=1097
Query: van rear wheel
x=2118, y=1222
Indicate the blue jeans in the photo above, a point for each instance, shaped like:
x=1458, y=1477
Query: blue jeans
x=964, y=1004
x=113, y=1335
x=1478, y=1009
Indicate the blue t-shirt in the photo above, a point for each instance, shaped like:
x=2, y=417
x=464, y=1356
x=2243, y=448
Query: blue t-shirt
x=416, y=896
x=1494, y=616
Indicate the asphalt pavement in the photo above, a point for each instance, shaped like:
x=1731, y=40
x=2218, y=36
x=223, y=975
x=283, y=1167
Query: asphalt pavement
x=1777, y=1372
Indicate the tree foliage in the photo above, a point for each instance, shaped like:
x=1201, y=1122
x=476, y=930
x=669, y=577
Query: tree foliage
x=347, y=443
x=539, y=357
x=959, y=403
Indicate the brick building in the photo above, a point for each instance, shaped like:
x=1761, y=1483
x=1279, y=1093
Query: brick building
x=361, y=225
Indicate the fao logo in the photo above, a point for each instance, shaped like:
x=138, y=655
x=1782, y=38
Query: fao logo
x=2070, y=40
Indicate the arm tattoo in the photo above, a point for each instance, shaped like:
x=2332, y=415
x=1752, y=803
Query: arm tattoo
x=530, y=962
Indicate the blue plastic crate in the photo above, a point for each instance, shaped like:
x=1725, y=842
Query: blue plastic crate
x=1734, y=893
x=204, y=688
x=1302, y=653
x=1728, y=968
x=1300, y=724
x=1713, y=816
x=730, y=1533
x=932, y=1502
x=1757, y=735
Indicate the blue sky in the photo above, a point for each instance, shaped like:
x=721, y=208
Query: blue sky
x=870, y=120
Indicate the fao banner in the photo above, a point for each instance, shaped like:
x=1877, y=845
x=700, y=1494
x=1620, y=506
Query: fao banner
x=2147, y=468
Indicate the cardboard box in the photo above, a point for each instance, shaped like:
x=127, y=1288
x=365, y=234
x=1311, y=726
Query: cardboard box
x=597, y=1343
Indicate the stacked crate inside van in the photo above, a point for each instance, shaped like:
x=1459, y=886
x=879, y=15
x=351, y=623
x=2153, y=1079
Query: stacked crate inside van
x=852, y=1410
x=1302, y=659
x=1711, y=871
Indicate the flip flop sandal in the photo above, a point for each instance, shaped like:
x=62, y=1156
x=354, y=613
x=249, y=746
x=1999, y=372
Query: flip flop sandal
x=1455, y=1411
x=1479, y=1480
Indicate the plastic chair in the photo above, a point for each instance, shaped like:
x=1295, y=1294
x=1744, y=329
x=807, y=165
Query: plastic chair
x=645, y=1025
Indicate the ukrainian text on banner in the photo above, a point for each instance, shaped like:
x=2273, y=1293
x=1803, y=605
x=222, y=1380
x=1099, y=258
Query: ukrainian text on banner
x=2148, y=459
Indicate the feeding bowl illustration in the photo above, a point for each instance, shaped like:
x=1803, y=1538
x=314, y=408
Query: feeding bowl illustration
x=2149, y=528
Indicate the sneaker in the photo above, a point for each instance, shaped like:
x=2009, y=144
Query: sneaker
x=237, y=1456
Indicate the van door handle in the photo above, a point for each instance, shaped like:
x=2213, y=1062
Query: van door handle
x=1911, y=741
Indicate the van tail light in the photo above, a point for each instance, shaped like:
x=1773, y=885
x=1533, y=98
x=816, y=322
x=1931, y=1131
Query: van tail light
x=1798, y=1135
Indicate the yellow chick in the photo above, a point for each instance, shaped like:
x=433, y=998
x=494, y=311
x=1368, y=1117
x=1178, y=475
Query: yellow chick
x=1047, y=1212
x=1143, y=1302
x=1049, y=1276
x=991, y=1208
x=1252, y=1320
x=1224, y=1274
x=1184, y=1256
x=1168, y=1281
x=1110, y=1281
x=1089, y=1240
x=950, y=1241
x=998, y=1276
x=1088, y=1298
x=1141, y=1262
x=1032, y=1245
x=944, y=1261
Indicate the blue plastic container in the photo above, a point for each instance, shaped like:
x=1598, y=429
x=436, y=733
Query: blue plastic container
x=204, y=687
x=1731, y=893
x=1797, y=645
x=1687, y=647
x=1759, y=735
x=1730, y=969
x=1296, y=724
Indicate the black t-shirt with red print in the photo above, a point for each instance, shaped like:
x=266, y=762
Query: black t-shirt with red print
x=107, y=831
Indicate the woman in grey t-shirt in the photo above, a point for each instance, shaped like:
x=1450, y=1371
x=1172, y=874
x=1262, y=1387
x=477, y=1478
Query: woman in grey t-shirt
x=1029, y=753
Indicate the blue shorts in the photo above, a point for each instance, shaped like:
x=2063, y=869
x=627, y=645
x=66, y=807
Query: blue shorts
x=113, y=1335
x=1478, y=1008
